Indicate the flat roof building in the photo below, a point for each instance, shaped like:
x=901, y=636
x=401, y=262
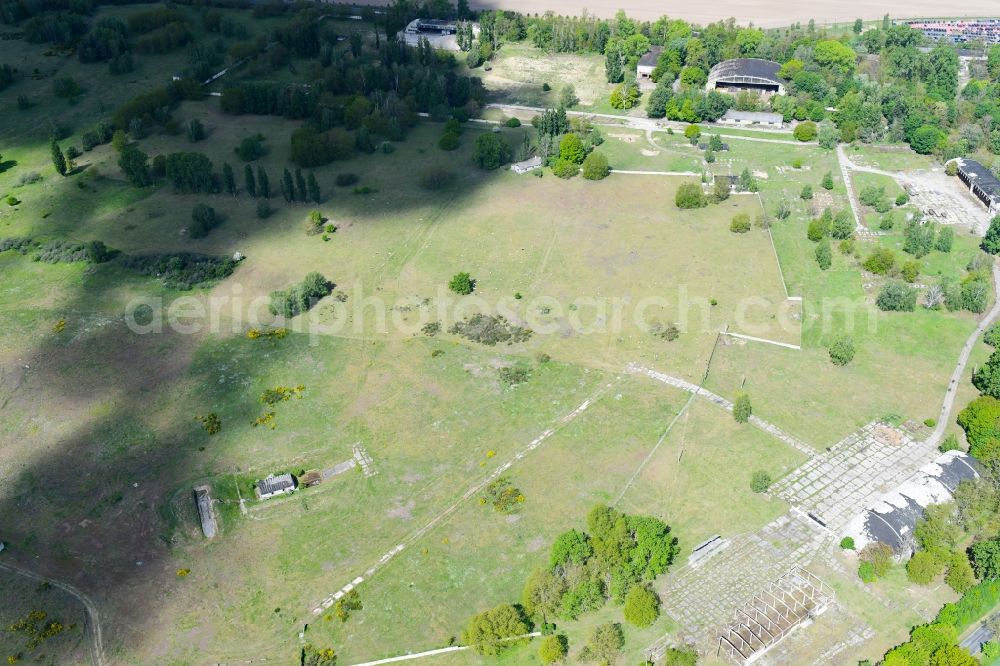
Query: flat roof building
x=734, y=117
x=982, y=183
x=746, y=74
x=203, y=499
x=274, y=485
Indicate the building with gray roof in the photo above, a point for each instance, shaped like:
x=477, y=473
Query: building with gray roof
x=767, y=119
x=982, y=183
x=892, y=519
x=746, y=74
x=275, y=485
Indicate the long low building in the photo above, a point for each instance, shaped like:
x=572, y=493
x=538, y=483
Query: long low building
x=982, y=183
x=746, y=74
x=893, y=518
x=764, y=118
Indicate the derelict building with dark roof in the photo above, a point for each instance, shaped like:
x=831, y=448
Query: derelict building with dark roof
x=746, y=74
x=893, y=518
x=981, y=183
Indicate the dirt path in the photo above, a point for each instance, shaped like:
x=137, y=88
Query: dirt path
x=718, y=400
x=93, y=619
x=963, y=359
x=416, y=535
x=650, y=125
x=846, y=166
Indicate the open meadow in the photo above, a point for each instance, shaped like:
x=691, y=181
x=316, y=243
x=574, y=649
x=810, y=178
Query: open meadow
x=123, y=387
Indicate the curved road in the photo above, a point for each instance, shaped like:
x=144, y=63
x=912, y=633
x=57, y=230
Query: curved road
x=963, y=359
x=97, y=641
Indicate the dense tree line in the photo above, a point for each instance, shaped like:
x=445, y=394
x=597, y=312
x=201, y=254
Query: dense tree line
x=156, y=105
x=106, y=40
x=190, y=173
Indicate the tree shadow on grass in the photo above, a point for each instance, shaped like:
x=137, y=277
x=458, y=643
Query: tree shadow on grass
x=98, y=422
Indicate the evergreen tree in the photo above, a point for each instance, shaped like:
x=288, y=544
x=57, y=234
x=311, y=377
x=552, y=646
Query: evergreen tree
x=229, y=179
x=287, y=187
x=300, y=186
x=248, y=179
x=263, y=184
x=824, y=256
x=58, y=159
x=313, y=186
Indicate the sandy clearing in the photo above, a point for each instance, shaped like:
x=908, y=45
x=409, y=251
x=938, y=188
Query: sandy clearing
x=764, y=13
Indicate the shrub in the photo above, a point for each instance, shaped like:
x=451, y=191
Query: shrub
x=512, y=122
x=807, y=193
x=490, y=330
x=896, y=296
x=690, y=195
x=565, y=168
x=740, y=223
x=992, y=336
x=462, y=283
x=742, y=408
x=847, y=543
x=513, y=375
x=866, y=572
x=880, y=261
x=960, y=576
x=949, y=443
x=910, y=270
x=502, y=495
x=448, y=141
x=805, y=131
x=314, y=222
x=670, y=332
x=824, y=255
x=842, y=350
x=553, y=648
x=181, y=270
x=923, y=567
x=930, y=422
x=818, y=229
x=595, y=166
x=346, y=179
x=902, y=199
x=488, y=631
x=203, y=220
x=692, y=132
x=301, y=297
x=642, y=607
x=491, y=151
x=827, y=182
x=263, y=209
x=880, y=557
x=760, y=482
x=250, y=149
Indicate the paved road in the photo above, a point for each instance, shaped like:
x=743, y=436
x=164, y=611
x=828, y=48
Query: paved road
x=97, y=641
x=974, y=641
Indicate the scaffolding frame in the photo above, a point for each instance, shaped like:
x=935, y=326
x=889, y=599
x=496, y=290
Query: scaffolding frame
x=773, y=613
